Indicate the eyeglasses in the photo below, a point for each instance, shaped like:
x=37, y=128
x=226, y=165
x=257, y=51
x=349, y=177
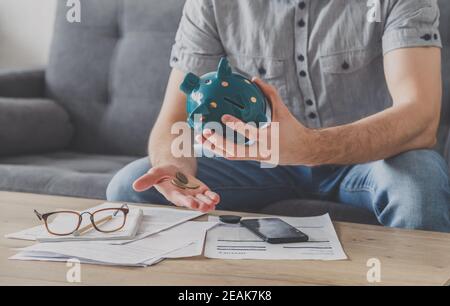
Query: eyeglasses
x=65, y=223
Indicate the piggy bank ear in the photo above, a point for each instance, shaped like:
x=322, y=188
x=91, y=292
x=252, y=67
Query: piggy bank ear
x=190, y=83
x=224, y=69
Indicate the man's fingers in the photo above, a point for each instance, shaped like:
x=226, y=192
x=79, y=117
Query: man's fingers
x=210, y=146
x=200, y=139
x=230, y=150
x=205, y=203
x=267, y=89
x=204, y=199
x=198, y=202
x=145, y=182
x=152, y=177
x=180, y=199
x=249, y=131
x=216, y=149
x=272, y=94
x=213, y=196
x=219, y=142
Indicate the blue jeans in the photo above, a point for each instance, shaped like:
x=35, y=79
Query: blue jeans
x=410, y=190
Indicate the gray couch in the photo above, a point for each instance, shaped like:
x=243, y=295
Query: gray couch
x=68, y=129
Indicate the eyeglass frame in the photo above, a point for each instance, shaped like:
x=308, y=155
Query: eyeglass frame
x=44, y=217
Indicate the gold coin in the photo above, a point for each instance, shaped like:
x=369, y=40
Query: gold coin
x=192, y=186
x=177, y=183
x=182, y=178
x=213, y=104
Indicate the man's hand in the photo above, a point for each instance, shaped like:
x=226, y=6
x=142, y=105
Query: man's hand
x=292, y=138
x=202, y=199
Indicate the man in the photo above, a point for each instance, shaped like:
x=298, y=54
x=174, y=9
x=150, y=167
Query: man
x=357, y=92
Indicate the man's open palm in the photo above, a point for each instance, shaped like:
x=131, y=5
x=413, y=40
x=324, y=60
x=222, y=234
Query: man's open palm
x=202, y=198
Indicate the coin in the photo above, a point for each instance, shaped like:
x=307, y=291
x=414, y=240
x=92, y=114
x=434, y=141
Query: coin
x=182, y=178
x=177, y=183
x=181, y=181
x=192, y=186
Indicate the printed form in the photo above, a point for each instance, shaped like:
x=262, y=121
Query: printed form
x=235, y=242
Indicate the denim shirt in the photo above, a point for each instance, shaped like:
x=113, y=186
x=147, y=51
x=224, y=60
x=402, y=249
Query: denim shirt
x=324, y=56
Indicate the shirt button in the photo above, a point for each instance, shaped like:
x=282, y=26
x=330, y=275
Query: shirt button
x=302, y=5
x=303, y=73
x=301, y=23
x=301, y=58
x=262, y=71
x=345, y=66
x=309, y=102
x=426, y=37
x=312, y=116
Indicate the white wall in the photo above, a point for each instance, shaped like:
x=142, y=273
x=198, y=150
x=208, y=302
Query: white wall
x=26, y=28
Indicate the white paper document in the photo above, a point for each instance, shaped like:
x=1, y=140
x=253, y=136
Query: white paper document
x=154, y=220
x=236, y=242
x=185, y=240
x=157, y=219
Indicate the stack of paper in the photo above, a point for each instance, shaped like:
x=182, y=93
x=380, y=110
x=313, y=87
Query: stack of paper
x=185, y=240
x=163, y=233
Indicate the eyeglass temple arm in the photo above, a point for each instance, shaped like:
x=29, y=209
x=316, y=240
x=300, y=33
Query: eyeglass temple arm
x=38, y=215
x=124, y=206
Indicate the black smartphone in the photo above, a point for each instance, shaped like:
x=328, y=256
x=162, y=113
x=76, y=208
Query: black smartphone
x=274, y=230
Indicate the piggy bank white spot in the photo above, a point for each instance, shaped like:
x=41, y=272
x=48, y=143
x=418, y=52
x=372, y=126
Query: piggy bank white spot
x=197, y=97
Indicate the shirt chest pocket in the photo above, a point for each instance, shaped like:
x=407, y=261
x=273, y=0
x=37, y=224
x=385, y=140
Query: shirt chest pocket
x=348, y=62
x=354, y=84
x=272, y=71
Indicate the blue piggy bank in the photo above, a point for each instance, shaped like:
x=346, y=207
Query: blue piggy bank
x=223, y=92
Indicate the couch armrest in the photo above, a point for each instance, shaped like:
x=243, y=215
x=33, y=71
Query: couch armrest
x=22, y=84
x=32, y=126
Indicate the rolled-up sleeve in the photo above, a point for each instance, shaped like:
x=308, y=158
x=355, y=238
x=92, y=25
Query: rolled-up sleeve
x=412, y=23
x=197, y=47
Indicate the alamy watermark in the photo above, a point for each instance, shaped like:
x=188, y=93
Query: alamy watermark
x=374, y=13
x=265, y=149
x=374, y=273
x=73, y=14
x=73, y=275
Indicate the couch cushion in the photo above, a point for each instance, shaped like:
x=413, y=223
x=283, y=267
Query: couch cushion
x=32, y=126
x=62, y=173
x=308, y=208
x=110, y=71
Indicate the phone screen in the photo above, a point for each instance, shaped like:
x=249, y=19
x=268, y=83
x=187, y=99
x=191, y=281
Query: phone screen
x=274, y=230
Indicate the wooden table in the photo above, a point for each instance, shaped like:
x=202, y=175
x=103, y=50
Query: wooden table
x=407, y=257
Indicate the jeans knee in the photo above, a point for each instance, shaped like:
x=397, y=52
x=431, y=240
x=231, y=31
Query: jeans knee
x=419, y=204
x=117, y=189
x=417, y=192
x=120, y=188
x=420, y=215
